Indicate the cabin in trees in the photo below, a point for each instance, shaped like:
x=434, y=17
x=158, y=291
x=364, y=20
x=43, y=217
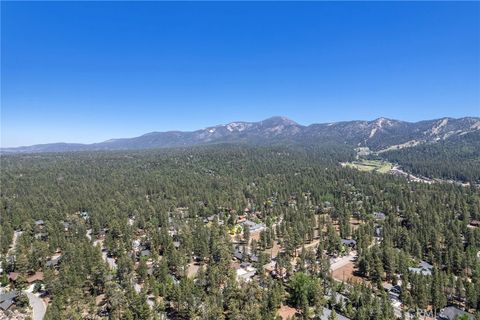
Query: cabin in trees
x=349, y=243
x=379, y=216
x=238, y=254
x=7, y=299
x=39, y=225
x=253, y=226
x=54, y=261
x=31, y=277
x=245, y=272
x=327, y=314
x=423, y=268
x=451, y=313
x=274, y=270
x=474, y=224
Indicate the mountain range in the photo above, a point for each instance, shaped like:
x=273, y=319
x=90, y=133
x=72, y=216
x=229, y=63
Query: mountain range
x=378, y=135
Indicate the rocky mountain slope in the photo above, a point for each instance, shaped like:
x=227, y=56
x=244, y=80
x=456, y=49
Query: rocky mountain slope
x=378, y=135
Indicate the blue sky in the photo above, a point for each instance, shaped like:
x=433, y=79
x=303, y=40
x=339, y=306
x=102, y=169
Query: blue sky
x=90, y=71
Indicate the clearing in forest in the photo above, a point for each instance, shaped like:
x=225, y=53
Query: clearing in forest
x=369, y=165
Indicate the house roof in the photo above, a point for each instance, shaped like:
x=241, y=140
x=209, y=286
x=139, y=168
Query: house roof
x=53, y=262
x=37, y=276
x=253, y=226
x=379, y=215
x=424, y=268
x=327, y=312
x=13, y=276
x=145, y=253
x=4, y=305
x=8, y=295
x=349, y=242
x=246, y=274
x=238, y=255
x=425, y=272
x=425, y=265
x=451, y=313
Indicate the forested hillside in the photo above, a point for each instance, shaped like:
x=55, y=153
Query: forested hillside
x=456, y=158
x=129, y=228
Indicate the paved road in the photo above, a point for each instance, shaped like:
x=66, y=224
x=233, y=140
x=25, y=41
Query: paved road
x=37, y=305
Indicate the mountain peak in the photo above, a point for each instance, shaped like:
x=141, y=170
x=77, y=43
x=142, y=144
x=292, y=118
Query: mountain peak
x=280, y=120
x=383, y=122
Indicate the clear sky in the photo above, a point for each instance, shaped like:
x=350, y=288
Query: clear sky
x=91, y=71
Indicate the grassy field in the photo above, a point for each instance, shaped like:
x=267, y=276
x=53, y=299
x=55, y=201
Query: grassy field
x=369, y=165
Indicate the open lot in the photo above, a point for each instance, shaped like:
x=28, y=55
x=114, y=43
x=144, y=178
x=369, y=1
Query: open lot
x=346, y=274
x=369, y=165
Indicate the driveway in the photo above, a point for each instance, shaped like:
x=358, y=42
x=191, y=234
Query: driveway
x=37, y=305
x=340, y=262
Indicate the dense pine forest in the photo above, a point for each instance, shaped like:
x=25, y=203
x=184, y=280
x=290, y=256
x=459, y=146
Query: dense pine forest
x=117, y=234
x=457, y=158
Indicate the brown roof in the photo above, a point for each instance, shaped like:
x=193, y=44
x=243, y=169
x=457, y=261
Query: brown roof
x=37, y=276
x=13, y=275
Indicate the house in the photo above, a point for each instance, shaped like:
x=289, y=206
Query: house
x=393, y=291
x=379, y=216
x=327, y=312
x=13, y=276
x=451, y=313
x=276, y=272
x=252, y=226
x=245, y=272
x=40, y=223
x=37, y=276
x=425, y=265
x=145, y=253
x=7, y=299
x=423, y=268
x=237, y=254
x=53, y=262
x=349, y=243
x=475, y=223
